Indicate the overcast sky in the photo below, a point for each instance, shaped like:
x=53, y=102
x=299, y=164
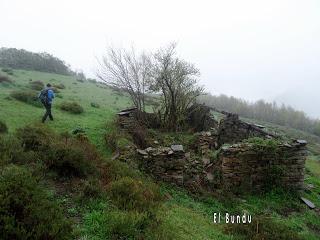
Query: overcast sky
x=250, y=49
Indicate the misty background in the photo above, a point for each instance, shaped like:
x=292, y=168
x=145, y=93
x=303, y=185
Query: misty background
x=248, y=49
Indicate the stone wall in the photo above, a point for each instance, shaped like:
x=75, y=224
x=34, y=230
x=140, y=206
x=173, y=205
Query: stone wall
x=238, y=168
x=233, y=130
x=246, y=167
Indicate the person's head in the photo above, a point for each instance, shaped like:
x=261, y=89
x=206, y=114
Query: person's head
x=48, y=85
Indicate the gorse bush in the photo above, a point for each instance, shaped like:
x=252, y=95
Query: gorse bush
x=27, y=96
x=26, y=210
x=133, y=194
x=3, y=127
x=36, y=85
x=71, y=107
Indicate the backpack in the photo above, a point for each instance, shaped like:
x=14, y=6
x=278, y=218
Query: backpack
x=43, y=97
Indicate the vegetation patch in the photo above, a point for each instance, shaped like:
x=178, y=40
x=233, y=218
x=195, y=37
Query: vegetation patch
x=59, y=86
x=36, y=85
x=95, y=105
x=26, y=210
x=3, y=127
x=72, y=107
x=5, y=79
x=132, y=194
x=262, y=228
x=27, y=96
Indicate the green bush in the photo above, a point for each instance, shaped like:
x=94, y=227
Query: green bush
x=133, y=194
x=115, y=170
x=71, y=107
x=3, y=127
x=64, y=155
x=59, y=86
x=35, y=137
x=95, y=105
x=9, y=71
x=36, y=85
x=91, y=188
x=68, y=160
x=115, y=224
x=26, y=210
x=27, y=96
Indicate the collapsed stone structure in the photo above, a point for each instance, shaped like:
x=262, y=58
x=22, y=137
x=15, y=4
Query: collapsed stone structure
x=221, y=159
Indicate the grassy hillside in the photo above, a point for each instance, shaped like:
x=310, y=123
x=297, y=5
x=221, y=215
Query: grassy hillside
x=182, y=216
x=17, y=114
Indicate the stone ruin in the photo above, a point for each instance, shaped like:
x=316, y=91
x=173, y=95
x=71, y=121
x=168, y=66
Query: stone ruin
x=220, y=160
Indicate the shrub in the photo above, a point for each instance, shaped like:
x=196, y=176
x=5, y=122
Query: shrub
x=55, y=90
x=68, y=160
x=132, y=194
x=65, y=155
x=26, y=210
x=91, y=188
x=113, y=170
x=115, y=224
x=27, y=96
x=36, y=85
x=59, y=86
x=3, y=127
x=5, y=79
x=9, y=71
x=95, y=105
x=35, y=137
x=71, y=107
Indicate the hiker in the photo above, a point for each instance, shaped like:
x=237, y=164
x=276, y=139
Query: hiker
x=46, y=96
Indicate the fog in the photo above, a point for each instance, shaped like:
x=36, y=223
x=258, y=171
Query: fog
x=248, y=49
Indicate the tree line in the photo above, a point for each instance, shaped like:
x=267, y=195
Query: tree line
x=261, y=110
x=22, y=59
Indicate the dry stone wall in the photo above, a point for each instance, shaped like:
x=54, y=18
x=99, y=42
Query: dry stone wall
x=250, y=168
x=238, y=168
x=233, y=130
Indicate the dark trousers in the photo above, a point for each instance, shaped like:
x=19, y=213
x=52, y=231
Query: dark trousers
x=48, y=112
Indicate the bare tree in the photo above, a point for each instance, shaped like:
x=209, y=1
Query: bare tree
x=176, y=80
x=125, y=70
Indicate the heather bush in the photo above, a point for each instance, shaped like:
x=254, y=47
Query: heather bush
x=72, y=107
x=35, y=137
x=27, y=96
x=36, y=85
x=133, y=194
x=27, y=212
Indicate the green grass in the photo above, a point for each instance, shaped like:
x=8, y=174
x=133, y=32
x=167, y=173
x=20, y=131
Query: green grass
x=17, y=114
